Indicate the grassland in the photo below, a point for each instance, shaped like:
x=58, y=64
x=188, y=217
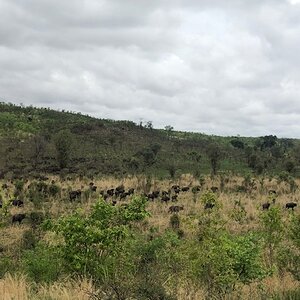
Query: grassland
x=239, y=213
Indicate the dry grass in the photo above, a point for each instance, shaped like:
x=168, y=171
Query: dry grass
x=18, y=287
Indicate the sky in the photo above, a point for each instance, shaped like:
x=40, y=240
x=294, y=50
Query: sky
x=223, y=67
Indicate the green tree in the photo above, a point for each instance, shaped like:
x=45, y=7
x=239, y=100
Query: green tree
x=63, y=145
x=272, y=230
x=215, y=156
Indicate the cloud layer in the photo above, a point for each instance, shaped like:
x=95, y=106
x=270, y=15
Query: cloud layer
x=219, y=67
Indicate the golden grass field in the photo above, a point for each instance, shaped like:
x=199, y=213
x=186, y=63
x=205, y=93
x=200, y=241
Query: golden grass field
x=15, y=287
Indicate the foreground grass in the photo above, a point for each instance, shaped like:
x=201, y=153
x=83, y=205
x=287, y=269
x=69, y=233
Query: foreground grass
x=275, y=286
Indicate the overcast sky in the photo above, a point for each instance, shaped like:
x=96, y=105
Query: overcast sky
x=223, y=67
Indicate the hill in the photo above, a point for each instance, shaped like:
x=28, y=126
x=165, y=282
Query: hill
x=42, y=140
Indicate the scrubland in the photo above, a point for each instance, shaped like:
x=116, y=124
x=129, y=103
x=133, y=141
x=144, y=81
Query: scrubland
x=92, y=249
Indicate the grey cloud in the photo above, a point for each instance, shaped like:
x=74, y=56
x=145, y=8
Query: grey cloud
x=220, y=67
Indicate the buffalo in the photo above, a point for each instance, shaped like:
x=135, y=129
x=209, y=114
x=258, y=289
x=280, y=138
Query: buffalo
x=174, y=198
x=18, y=203
x=185, y=189
x=175, y=208
x=165, y=199
x=73, y=195
x=291, y=205
x=18, y=218
x=110, y=192
x=209, y=206
x=214, y=189
x=131, y=191
x=266, y=206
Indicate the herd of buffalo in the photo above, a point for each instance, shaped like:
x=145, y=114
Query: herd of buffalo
x=115, y=195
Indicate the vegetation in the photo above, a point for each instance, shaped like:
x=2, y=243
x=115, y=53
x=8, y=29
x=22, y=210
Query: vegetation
x=41, y=140
x=102, y=209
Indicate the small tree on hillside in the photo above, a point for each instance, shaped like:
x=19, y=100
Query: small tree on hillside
x=63, y=146
x=215, y=156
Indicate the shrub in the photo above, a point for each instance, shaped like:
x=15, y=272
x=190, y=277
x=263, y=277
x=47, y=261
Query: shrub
x=29, y=240
x=43, y=264
x=54, y=190
x=174, y=221
x=36, y=218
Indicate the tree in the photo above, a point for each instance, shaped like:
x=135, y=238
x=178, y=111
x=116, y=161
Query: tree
x=38, y=149
x=63, y=146
x=169, y=129
x=215, y=155
x=236, y=143
x=149, y=125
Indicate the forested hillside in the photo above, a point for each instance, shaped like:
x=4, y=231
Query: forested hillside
x=41, y=140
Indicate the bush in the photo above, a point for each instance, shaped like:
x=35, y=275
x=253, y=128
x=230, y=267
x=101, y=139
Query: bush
x=150, y=290
x=175, y=221
x=43, y=264
x=36, y=218
x=54, y=190
x=29, y=240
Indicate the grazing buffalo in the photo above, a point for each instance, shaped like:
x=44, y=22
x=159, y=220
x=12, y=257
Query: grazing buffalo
x=175, y=208
x=155, y=194
x=291, y=205
x=209, y=206
x=165, y=193
x=73, y=195
x=93, y=188
x=174, y=198
x=177, y=190
x=150, y=196
x=196, y=188
x=18, y=218
x=266, y=206
x=119, y=190
x=1, y=204
x=165, y=199
x=114, y=202
x=110, y=192
x=18, y=203
x=185, y=189
x=123, y=196
x=175, y=186
x=214, y=189
x=131, y=191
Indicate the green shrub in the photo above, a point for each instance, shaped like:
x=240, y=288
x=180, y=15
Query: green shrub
x=42, y=264
x=36, y=218
x=174, y=221
x=54, y=190
x=29, y=240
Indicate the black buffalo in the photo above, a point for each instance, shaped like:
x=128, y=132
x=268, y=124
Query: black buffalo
x=18, y=203
x=214, y=189
x=110, y=192
x=266, y=206
x=18, y=218
x=185, y=189
x=291, y=205
x=175, y=208
x=165, y=199
x=73, y=195
x=209, y=206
